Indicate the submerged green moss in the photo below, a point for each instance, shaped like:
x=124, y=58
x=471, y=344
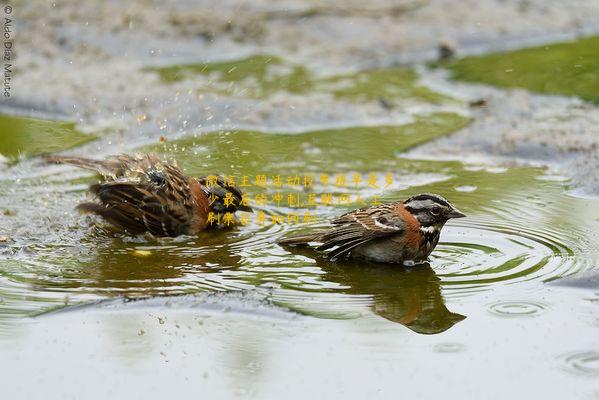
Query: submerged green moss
x=570, y=68
x=260, y=75
x=385, y=84
x=369, y=148
x=230, y=71
x=29, y=137
x=255, y=72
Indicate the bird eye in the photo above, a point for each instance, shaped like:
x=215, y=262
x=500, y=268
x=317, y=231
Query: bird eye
x=435, y=210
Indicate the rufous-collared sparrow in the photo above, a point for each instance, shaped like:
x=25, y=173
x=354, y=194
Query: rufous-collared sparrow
x=403, y=232
x=145, y=194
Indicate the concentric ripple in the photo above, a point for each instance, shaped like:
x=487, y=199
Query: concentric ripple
x=522, y=308
x=586, y=362
x=482, y=252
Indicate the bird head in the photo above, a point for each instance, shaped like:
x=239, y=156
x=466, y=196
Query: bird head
x=432, y=210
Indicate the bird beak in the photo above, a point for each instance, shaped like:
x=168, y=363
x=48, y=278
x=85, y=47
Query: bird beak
x=245, y=208
x=455, y=213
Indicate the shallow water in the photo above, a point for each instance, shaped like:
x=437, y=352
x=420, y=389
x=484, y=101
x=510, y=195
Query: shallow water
x=232, y=313
x=483, y=296
x=513, y=235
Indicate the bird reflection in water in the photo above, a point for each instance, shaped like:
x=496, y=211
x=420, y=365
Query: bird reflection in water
x=408, y=296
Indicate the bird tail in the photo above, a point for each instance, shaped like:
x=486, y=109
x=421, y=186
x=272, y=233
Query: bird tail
x=102, y=167
x=300, y=240
x=80, y=162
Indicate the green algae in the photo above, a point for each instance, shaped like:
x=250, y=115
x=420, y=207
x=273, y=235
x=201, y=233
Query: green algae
x=229, y=71
x=369, y=148
x=254, y=76
x=29, y=137
x=389, y=83
x=569, y=68
x=261, y=75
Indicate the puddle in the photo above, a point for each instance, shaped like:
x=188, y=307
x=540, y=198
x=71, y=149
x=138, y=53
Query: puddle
x=514, y=236
x=26, y=137
x=255, y=153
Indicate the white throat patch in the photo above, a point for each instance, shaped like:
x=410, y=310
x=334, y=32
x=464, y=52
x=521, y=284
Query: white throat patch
x=428, y=229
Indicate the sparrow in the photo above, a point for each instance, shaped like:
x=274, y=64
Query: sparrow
x=142, y=193
x=403, y=232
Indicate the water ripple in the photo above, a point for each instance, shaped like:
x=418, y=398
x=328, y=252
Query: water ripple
x=585, y=363
x=507, y=239
x=449, y=348
x=483, y=252
x=522, y=308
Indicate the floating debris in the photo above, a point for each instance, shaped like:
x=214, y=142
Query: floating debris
x=478, y=103
x=385, y=103
x=446, y=50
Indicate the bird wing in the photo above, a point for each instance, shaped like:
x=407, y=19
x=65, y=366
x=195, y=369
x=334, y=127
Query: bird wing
x=360, y=226
x=158, y=201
